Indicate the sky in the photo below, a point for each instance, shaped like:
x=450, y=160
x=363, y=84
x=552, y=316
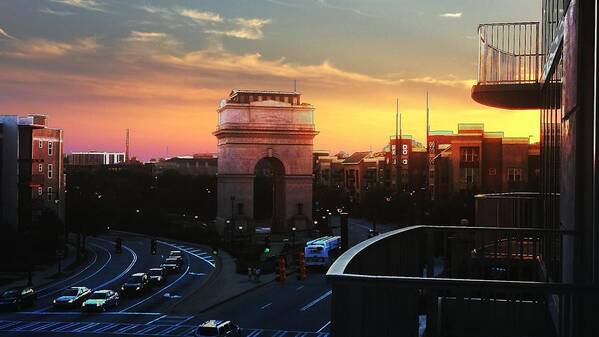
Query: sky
x=160, y=68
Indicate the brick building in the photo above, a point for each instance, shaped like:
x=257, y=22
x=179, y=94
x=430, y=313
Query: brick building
x=479, y=161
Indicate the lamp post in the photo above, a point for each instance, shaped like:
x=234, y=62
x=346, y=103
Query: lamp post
x=293, y=229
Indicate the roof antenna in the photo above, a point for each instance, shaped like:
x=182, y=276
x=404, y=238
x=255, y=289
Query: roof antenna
x=294, y=85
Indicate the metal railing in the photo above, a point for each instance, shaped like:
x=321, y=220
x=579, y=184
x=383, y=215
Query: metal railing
x=509, y=53
x=453, y=281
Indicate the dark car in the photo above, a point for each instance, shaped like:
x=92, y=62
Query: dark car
x=171, y=265
x=157, y=276
x=17, y=298
x=101, y=300
x=136, y=284
x=71, y=297
x=217, y=328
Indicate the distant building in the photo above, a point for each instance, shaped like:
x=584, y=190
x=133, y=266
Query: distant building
x=95, y=158
x=479, y=161
x=412, y=165
x=329, y=170
x=26, y=169
x=199, y=164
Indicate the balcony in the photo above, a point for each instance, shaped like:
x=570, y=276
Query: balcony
x=456, y=281
x=510, y=66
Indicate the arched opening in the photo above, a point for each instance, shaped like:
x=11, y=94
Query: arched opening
x=269, y=193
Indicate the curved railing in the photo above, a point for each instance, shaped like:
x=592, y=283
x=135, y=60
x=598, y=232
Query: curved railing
x=509, y=53
x=450, y=281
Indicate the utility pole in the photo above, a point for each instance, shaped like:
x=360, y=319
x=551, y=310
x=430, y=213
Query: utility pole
x=127, y=146
x=397, y=144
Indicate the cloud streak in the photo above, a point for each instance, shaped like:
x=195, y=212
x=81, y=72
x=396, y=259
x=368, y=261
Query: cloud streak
x=451, y=15
x=146, y=36
x=43, y=48
x=249, y=29
x=90, y=5
x=197, y=15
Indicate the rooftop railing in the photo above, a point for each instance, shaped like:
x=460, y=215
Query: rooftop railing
x=453, y=281
x=509, y=53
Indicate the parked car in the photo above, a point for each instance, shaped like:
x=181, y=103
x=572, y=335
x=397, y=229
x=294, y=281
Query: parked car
x=217, y=328
x=136, y=284
x=71, y=297
x=171, y=265
x=101, y=300
x=17, y=298
x=157, y=276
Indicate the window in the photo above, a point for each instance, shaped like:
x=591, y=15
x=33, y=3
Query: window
x=40, y=167
x=404, y=161
x=469, y=175
x=50, y=148
x=50, y=171
x=50, y=197
x=240, y=208
x=40, y=191
x=492, y=171
x=514, y=174
x=469, y=154
x=40, y=144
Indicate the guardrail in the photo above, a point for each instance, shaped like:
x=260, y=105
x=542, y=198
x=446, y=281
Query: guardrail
x=509, y=53
x=452, y=281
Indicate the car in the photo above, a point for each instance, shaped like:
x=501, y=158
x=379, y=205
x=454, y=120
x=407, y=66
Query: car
x=136, y=284
x=217, y=328
x=71, y=297
x=18, y=297
x=178, y=255
x=171, y=265
x=101, y=300
x=157, y=276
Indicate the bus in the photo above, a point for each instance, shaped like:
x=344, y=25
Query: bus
x=322, y=251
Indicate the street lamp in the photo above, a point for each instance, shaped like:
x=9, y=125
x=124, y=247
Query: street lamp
x=293, y=229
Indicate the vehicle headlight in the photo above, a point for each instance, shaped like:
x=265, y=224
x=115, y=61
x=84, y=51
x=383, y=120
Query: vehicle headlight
x=98, y=304
x=70, y=301
x=137, y=288
x=54, y=302
x=122, y=288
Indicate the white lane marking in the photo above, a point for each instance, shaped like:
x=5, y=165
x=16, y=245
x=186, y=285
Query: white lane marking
x=299, y=288
x=146, y=329
x=266, y=306
x=311, y=304
x=196, y=255
x=280, y=333
x=185, y=320
x=156, y=319
x=301, y=334
x=324, y=326
x=72, y=276
x=78, y=281
x=127, y=327
x=156, y=293
x=98, y=313
x=124, y=271
x=169, y=330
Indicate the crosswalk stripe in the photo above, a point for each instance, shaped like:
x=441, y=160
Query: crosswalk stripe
x=13, y=323
x=27, y=326
x=64, y=327
x=126, y=328
x=46, y=326
x=169, y=330
x=104, y=328
x=188, y=332
x=85, y=327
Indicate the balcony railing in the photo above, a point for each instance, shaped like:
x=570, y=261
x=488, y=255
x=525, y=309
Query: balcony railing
x=509, y=53
x=455, y=281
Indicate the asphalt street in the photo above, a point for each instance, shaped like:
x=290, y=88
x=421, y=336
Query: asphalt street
x=293, y=308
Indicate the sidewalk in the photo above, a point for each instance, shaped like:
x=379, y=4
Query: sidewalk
x=45, y=274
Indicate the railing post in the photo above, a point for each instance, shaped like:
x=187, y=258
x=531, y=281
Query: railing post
x=344, y=232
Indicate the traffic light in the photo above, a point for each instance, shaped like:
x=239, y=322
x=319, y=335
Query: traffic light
x=153, y=244
x=301, y=261
x=267, y=244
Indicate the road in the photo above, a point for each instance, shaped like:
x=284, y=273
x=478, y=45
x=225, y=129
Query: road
x=294, y=308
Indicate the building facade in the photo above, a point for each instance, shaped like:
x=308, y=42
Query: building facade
x=95, y=158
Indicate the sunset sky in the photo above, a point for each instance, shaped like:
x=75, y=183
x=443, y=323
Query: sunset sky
x=97, y=67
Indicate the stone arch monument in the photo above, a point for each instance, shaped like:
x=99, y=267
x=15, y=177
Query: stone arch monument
x=258, y=128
